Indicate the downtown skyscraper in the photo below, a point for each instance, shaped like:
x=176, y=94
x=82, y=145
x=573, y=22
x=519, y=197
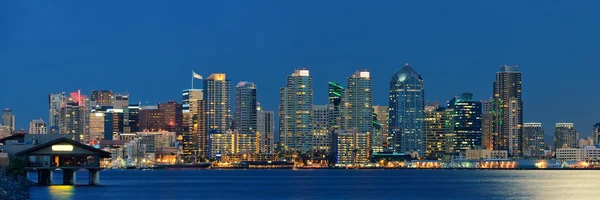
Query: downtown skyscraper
x=334, y=106
x=565, y=136
x=465, y=120
x=217, y=97
x=295, y=112
x=265, y=128
x=507, y=125
x=436, y=122
x=8, y=119
x=245, y=118
x=358, y=103
x=194, y=138
x=533, y=140
x=407, y=112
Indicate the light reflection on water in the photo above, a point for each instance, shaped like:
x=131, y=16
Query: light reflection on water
x=329, y=184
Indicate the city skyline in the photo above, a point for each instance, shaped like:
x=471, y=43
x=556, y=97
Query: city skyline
x=462, y=58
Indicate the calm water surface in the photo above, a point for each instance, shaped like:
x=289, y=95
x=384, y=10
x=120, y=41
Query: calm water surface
x=327, y=184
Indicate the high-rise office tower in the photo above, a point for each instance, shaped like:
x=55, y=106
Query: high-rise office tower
x=381, y=116
x=321, y=136
x=533, y=140
x=194, y=138
x=55, y=101
x=173, y=116
x=38, y=126
x=134, y=117
x=72, y=120
x=507, y=111
x=265, y=126
x=4, y=131
x=596, y=134
x=152, y=120
x=358, y=103
x=244, y=121
x=295, y=117
x=487, y=124
x=334, y=106
x=436, y=120
x=565, y=136
x=8, y=119
x=465, y=123
x=97, y=124
x=245, y=108
x=407, y=112
x=116, y=122
x=102, y=97
x=217, y=95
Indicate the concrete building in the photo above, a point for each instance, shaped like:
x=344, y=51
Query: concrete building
x=358, y=103
x=578, y=154
x=217, y=97
x=352, y=147
x=583, y=142
x=173, y=116
x=194, y=131
x=379, y=141
x=265, y=124
x=476, y=154
x=55, y=101
x=321, y=136
x=38, y=127
x=220, y=144
x=120, y=101
x=565, y=136
x=407, y=112
x=436, y=120
x=4, y=131
x=152, y=120
x=245, y=108
x=487, y=124
x=102, y=97
x=295, y=112
x=533, y=140
x=507, y=105
x=72, y=121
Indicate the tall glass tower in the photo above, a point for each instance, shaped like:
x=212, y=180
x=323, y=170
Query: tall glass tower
x=334, y=106
x=465, y=129
x=358, y=103
x=406, y=112
x=507, y=125
x=217, y=97
x=244, y=120
x=295, y=112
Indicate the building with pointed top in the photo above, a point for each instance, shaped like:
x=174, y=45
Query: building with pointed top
x=406, y=112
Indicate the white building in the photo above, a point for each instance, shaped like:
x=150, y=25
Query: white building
x=38, y=127
x=586, y=153
x=352, y=147
x=4, y=131
x=476, y=154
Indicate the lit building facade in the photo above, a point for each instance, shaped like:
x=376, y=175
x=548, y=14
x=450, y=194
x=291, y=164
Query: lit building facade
x=72, y=121
x=102, y=97
x=436, y=121
x=217, y=97
x=487, y=124
x=321, y=136
x=194, y=143
x=381, y=115
x=295, y=117
x=134, y=117
x=507, y=130
x=55, y=101
x=120, y=101
x=97, y=125
x=173, y=116
x=565, y=136
x=152, y=120
x=358, y=103
x=4, y=131
x=221, y=144
x=8, y=119
x=406, y=112
x=477, y=154
x=352, y=147
x=578, y=154
x=464, y=123
x=265, y=124
x=38, y=127
x=245, y=108
x=533, y=140
x=334, y=106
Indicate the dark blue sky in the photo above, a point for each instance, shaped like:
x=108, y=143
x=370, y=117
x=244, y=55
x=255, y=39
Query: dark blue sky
x=149, y=48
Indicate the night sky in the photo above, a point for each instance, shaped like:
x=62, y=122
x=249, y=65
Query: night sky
x=149, y=48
